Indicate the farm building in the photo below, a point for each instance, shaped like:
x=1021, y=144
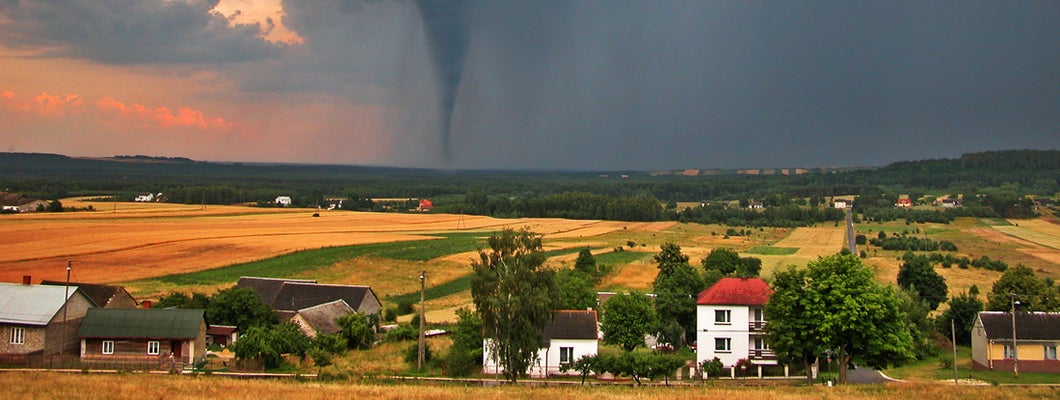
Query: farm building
x=425, y=205
x=18, y=202
x=283, y=201
x=1037, y=336
x=319, y=318
x=730, y=323
x=143, y=337
x=221, y=335
x=32, y=324
x=904, y=202
x=297, y=294
x=103, y=296
x=571, y=335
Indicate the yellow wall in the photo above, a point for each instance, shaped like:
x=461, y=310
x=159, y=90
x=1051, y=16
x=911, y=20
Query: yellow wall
x=1025, y=351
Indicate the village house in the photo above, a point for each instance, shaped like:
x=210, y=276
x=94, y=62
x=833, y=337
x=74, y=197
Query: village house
x=904, y=202
x=34, y=323
x=283, y=201
x=298, y=294
x=842, y=203
x=730, y=323
x=103, y=296
x=142, y=337
x=572, y=334
x=1037, y=336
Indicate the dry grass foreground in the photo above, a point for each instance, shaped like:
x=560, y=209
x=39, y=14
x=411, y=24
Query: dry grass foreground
x=128, y=241
x=45, y=385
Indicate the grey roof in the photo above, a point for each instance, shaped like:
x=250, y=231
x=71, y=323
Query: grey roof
x=100, y=295
x=322, y=317
x=1029, y=325
x=267, y=288
x=140, y=323
x=31, y=304
x=572, y=324
x=296, y=296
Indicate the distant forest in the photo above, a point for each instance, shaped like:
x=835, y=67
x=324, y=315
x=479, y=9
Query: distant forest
x=988, y=184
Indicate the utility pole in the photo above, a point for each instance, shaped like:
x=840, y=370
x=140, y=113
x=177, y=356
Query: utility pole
x=953, y=339
x=1015, y=350
x=66, y=297
x=423, y=280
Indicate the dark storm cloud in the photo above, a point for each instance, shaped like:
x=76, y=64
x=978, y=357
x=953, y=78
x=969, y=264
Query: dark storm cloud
x=132, y=31
x=606, y=84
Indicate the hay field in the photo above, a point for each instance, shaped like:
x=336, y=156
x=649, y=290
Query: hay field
x=50, y=385
x=129, y=241
x=811, y=242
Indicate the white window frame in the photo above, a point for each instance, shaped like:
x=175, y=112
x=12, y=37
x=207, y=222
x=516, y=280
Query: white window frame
x=760, y=343
x=1009, y=352
x=18, y=335
x=722, y=345
x=723, y=317
x=1050, y=351
x=152, y=347
x=107, y=347
x=759, y=315
x=566, y=355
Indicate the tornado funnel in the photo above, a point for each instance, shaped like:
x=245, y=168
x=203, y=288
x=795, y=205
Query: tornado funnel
x=446, y=24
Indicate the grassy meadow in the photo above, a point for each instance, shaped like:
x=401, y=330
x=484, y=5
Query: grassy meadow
x=46, y=385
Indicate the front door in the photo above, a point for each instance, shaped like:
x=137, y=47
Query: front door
x=175, y=347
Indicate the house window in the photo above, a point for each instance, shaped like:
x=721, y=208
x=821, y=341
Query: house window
x=566, y=354
x=1010, y=352
x=108, y=347
x=18, y=335
x=152, y=348
x=722, y=317
x=758, y=315
x=722, y=345
x=1050, y=352
x=760, y=344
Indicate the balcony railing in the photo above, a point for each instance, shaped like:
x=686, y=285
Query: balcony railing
x=761, y=354
x=757, y=326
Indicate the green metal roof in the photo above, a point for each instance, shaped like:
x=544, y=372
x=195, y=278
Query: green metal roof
x=136, y=323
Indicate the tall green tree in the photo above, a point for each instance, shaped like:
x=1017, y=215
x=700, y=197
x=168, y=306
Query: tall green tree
x=1033, y=293
x=270, y=343
x=465, y=354
x=722, y=260
x=842, y=308
x=240, y=307
x=626, y=319
x=917, y=272
x=676, y=287
x=576, y=287
x=962, y=311
x=515, y=297
x=586, y=263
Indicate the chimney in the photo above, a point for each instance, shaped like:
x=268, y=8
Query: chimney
x=145, y=304
x=26, y=279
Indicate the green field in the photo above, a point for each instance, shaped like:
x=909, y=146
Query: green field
x=772, y=251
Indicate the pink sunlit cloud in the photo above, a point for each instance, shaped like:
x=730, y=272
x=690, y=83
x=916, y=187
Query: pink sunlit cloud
x=43, y=104
x=163, y=116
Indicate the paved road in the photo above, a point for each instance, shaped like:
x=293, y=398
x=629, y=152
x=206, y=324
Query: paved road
x=852, y=245
x=865, y=375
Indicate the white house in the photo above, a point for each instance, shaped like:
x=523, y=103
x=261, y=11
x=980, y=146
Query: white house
x=730, y=323
x=283, y=201
x=571, y=335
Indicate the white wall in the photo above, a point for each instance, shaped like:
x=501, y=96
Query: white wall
x=547, y=358
x=707, y=329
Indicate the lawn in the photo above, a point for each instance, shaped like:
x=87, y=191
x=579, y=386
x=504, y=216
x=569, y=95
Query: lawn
x=772, y=250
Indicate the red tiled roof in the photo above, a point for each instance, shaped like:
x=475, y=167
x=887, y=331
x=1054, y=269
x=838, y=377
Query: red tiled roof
x=736, y=291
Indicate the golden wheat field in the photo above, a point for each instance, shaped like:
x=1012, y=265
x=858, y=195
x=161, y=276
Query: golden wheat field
x=132, y=386
x=127, y=241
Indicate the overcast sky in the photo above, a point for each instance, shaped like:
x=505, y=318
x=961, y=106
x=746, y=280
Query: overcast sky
x=564, y=84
